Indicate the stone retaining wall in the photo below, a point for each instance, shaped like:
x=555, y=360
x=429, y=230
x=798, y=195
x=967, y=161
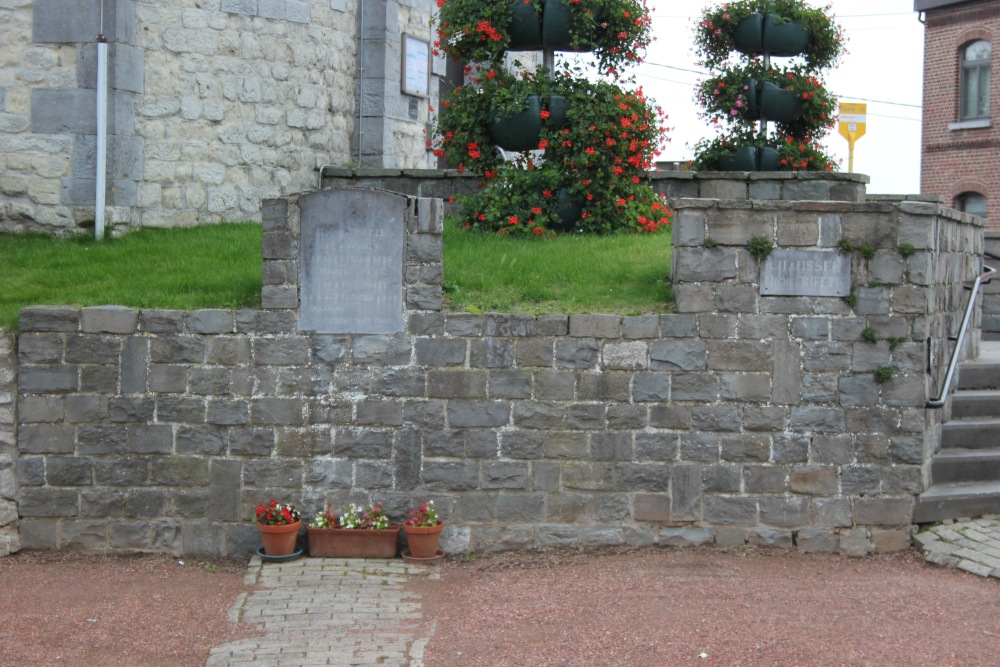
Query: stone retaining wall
x=9, y=539
x=739, y=418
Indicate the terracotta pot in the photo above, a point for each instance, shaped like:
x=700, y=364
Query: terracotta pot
x=279, y=540
x=423, y=540
x=353, y=543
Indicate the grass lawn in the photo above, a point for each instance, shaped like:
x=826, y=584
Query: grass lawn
x=624, y=274
x=219, y=266
x=209, y=266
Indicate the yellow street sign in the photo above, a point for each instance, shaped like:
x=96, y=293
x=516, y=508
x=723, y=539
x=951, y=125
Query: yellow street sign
x=852, y=125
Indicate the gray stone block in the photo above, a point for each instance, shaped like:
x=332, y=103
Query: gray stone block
x=134, y=360
x=109, y=319
x=284, y=411
x=450, y=476
x=280, y=473
x=789, y=512
x=45, y=379
x=768, y=537
x=686, y=537
x=210, y=321
x=45, y=438
x=382, y=350
x=246, y=7
x=128, y=535
x=509, y=384
x=63, y=111
x=816, y=540
x=41, y=409
x=685, y=492
x=31, y=471
x=581, y=353
x=651, y=387
x=440, y=352
x=362, y=444
x=477, y=414
x=161, y=321
x=281, y=351
x=726, y=536
x=204, y=440
x=180, y=471
x=47, y=502
x=49, y=318
x=373, y=475
x=228, y=412
x=153, y=439
x=121, y=471
x=727, y=510
x=884, y=511
x=180, y=409
x=539, y=415
x=491, y=353
x=177, y=350
x=87, y=535
x=68, y=471
x=38, y=533
x=457, y=384
x=102, y=503
x=534, y=352
x=642, y=477
x=855, y=542
x=40, y=348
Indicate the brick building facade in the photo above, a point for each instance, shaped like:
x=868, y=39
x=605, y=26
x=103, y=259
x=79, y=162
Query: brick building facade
x=961, y=144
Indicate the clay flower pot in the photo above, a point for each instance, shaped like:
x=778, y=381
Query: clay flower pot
x=423, y=540
x=279, y=540
x=352, y=542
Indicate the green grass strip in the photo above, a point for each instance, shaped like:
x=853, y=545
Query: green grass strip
x=208, y=266
x=623, y=274
x=219, y=266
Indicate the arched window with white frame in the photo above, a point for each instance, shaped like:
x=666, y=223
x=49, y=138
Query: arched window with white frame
x=975, y=81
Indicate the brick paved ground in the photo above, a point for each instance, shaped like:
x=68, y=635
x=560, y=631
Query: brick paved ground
x=327, y=611
x=971, y=545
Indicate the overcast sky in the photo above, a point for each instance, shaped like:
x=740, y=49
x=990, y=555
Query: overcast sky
x=883, y=68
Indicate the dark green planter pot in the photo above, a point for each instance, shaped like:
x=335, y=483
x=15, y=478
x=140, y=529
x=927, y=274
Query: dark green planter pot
x=768, y=159
x=519, y=132
x=525, y=27
x=555, y=25
x=753, y=99
x=749, y=34
x=744, y=160
x=784, y=38
x=567, y=210
x=558, y=106
x=779, y=104
x=772, y=34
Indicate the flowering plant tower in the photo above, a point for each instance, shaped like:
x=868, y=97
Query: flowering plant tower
x=744, y=95
x=558, y=150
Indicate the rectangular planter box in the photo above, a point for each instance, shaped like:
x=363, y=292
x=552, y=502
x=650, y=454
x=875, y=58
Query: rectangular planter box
x=354, y=543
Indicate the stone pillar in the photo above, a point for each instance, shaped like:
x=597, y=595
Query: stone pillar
x=390, y=128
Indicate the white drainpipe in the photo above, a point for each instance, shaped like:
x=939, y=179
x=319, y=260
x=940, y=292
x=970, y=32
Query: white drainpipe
x=102, y=129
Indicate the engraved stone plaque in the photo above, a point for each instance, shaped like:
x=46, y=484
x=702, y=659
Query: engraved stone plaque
x=806, y=273
x=351, y=261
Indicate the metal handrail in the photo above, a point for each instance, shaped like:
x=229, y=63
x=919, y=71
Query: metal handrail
x=988, y=274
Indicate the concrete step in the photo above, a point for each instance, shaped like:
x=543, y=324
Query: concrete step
x=970, y=434
x=965, y=465
x=953, y=501
x=977, y=403
x=979, y=375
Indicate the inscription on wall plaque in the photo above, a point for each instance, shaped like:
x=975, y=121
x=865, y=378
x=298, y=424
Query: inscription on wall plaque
x=806, y=273
x=351, y=261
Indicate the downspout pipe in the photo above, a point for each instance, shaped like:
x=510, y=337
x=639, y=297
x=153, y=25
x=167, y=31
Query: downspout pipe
x=361, y=77
x=102, y=131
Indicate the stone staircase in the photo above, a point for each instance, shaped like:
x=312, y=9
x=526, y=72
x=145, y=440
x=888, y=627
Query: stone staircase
x=965, y=473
